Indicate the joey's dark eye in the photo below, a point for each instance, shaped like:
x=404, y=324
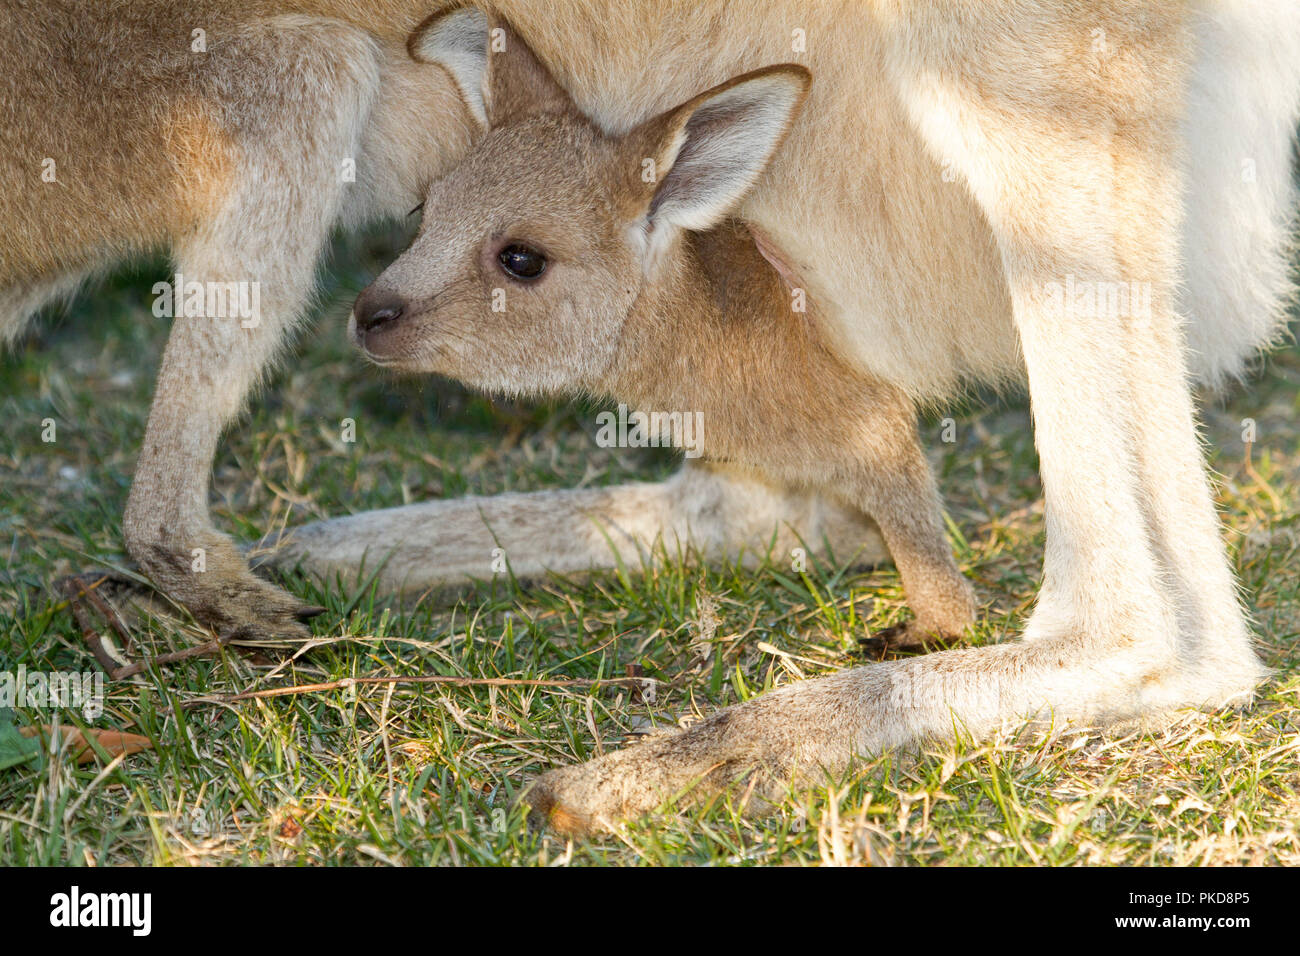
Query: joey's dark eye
x=522, y=262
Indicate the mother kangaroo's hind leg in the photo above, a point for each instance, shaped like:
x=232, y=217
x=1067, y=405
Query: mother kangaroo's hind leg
x=1138, y=612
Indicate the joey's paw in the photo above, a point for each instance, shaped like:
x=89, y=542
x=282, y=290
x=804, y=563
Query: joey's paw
x=223, y=594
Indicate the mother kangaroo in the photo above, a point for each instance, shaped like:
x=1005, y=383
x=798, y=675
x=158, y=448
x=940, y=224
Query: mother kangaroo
x=961, y=169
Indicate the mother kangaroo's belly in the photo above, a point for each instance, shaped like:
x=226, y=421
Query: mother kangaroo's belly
x=896, y=255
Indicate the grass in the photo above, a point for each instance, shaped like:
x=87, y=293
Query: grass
x=427, y=775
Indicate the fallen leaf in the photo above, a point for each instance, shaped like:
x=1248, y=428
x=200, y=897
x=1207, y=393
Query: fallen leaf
x=113, y=741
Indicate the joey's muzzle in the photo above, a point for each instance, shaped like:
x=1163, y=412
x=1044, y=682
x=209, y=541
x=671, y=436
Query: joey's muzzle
x=376, y=313
x=375, y=307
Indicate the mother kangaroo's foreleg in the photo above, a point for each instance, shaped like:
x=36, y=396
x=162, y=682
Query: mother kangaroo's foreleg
x=715, y=510
x=306, y=91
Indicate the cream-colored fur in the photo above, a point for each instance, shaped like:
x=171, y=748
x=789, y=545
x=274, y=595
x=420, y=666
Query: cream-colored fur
x=956, y=165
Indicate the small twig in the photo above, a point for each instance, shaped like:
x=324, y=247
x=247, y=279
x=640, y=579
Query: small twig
x=347, y=682
x=90, y=593
x=172, y=657
x=76, y=590
x=114, y=618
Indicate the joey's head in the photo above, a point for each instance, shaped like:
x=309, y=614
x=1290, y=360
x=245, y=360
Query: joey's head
x=535, y=249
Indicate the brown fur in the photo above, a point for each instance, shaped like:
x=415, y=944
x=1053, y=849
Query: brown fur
x=723, y=339
x=231, y=158
x=712, y=332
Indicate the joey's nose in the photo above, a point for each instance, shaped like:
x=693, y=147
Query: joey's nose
x=375, y=307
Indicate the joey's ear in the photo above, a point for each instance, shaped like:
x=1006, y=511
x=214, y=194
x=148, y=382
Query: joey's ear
x=457, y=41
x=709, y=151
x=499, y=77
